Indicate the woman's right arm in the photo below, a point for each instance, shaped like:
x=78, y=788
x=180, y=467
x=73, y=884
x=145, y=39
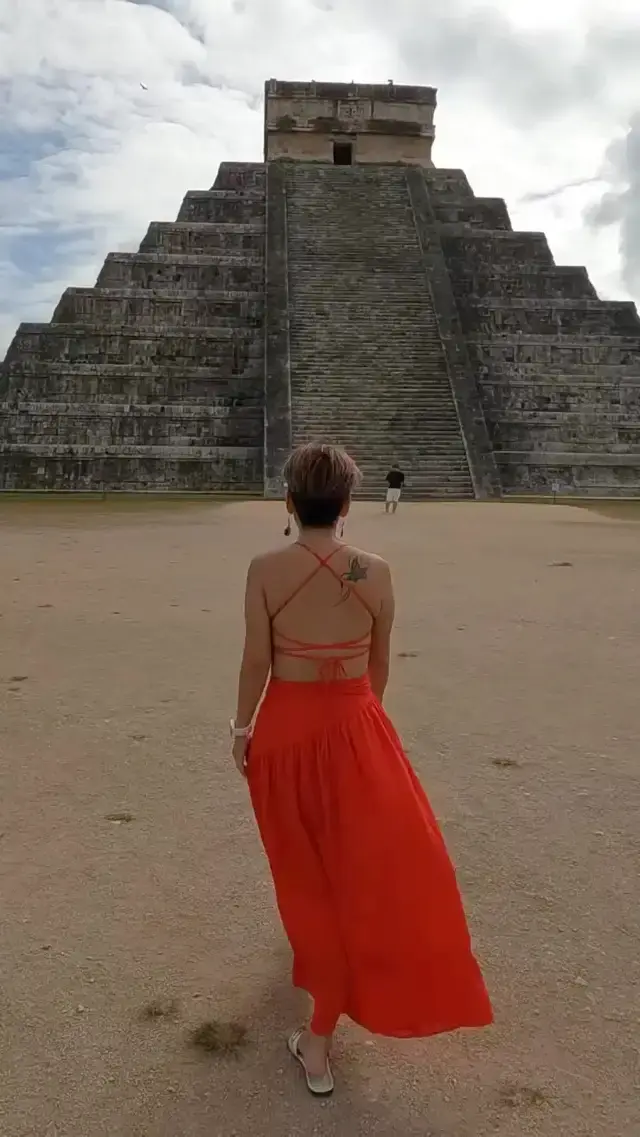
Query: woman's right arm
x=380, y=652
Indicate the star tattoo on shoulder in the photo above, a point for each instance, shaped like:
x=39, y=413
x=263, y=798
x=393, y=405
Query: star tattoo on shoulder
x=356, y=571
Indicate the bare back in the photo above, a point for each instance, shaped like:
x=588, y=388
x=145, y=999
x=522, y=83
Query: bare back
x=324, y=607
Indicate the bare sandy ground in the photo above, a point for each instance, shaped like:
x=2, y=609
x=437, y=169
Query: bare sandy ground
x=515, y=686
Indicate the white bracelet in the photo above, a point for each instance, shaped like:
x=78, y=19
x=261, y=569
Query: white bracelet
x=238, y=731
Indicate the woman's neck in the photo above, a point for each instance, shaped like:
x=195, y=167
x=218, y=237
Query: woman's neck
x=317, y=538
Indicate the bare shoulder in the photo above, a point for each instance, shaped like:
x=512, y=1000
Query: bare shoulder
x=365, y=562
x=263, y=564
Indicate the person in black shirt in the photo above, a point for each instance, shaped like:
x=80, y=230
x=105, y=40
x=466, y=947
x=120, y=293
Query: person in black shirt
x=395, y=482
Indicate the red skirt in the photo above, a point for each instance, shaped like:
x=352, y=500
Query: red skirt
x=365, y=887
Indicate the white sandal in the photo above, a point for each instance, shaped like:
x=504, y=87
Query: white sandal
x=320, y=1085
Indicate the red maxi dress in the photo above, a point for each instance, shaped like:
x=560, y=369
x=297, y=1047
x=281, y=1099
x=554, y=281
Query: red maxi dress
x=364, y=885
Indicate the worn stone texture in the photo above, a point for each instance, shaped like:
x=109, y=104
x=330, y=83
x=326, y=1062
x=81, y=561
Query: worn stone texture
x=559, y=369
x=152, y=380
x=379, y=123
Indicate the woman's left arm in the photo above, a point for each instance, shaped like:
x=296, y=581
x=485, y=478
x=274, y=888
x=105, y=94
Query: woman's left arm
x=256, y=657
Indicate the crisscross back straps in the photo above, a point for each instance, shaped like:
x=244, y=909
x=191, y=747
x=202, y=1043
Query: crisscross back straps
x=323, y=562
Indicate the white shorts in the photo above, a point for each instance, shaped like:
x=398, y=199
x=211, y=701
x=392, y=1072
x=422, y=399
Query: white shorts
x=393, y=496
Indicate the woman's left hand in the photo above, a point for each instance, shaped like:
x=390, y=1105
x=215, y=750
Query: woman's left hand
x=240, y=753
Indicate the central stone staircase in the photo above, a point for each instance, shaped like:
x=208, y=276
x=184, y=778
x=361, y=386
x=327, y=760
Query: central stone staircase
x=368, y=368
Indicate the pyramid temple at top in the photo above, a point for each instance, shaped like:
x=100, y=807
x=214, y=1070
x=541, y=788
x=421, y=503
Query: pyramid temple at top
x=343, y=290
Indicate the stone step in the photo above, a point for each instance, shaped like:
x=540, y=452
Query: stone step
x=141, y=307
x=378, y=283
x=439, y=442
x=165, y=271
x=194, y=237
x=374, y=403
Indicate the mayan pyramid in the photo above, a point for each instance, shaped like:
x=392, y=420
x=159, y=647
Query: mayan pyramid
x=344, y=289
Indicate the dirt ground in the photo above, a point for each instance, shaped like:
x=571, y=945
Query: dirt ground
x=515, y=687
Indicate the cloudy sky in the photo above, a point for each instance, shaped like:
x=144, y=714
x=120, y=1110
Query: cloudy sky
x=534, y=97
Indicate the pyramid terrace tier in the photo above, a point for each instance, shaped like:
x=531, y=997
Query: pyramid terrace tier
x=497, y=354
x=125, y=384
x=469, y=250
x=594, y=431
x=589, y=395
x=227, y=350
x=168, y=272
x=486, y=213
x=204, y=239
x=134, y=469
x=574, y=472
x=106, y=426
x=140, y=307
x=518, y=316
x=241, y=176
x=529, y=282
x=447, y=185
x=224, y=206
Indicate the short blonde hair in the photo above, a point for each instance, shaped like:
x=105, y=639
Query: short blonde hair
x=320, y=478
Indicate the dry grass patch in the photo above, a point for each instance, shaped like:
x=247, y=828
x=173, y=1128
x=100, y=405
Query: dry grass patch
x=160, y=1008
x=221, y=1038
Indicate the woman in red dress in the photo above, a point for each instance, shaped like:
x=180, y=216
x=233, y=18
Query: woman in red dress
x=364, y=885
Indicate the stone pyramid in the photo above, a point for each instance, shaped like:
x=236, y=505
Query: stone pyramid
x=344, y=290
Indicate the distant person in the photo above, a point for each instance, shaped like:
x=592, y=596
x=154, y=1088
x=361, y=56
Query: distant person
x=395, y=482
x=364, y=884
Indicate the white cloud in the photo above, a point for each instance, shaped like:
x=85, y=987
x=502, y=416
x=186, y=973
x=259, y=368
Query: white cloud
x=529, y=100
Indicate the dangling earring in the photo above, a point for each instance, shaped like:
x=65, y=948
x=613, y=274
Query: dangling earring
x=287, y=529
